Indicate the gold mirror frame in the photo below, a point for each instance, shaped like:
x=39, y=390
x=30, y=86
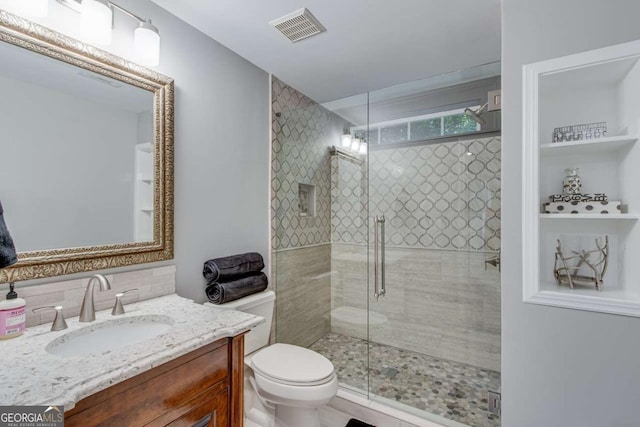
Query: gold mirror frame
x=47, y=263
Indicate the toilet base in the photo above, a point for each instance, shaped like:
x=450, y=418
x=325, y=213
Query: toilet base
x=258, y=413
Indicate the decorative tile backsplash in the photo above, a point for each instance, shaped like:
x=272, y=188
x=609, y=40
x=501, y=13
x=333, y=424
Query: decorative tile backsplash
x=151, y=283
x=303, y=131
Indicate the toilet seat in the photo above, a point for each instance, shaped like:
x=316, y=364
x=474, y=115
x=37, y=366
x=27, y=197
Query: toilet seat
x=292, y=365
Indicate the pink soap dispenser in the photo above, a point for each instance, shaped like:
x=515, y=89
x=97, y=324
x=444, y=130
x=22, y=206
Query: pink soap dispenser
x=12, y=315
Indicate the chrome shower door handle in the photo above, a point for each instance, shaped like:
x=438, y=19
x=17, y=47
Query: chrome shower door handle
x=383, y=289
x=376, y=294
x=378, y=255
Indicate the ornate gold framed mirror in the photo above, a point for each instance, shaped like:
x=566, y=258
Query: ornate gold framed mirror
x=87, y=155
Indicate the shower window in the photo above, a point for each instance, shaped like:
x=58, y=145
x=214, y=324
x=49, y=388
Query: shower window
x=374, y=134
x=393, y=134
x=426, y=129
x=419, y=128
x=459, y=123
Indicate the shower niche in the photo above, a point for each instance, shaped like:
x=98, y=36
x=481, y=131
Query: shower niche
x=306, y=200
x=583, y=112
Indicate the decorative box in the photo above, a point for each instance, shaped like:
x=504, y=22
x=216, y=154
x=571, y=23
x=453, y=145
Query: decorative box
x=576, y=207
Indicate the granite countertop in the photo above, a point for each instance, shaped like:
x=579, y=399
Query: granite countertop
x=32, y=376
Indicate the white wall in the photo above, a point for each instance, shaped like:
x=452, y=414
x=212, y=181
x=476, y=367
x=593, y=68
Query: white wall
x=630, y=101
x=562, y=108
x=560, y=367
x=59, y=195
x=221, y=140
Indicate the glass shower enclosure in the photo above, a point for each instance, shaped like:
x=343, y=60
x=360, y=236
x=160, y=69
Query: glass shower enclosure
x=386, y=240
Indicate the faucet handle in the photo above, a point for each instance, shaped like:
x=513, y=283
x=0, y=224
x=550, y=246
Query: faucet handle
x=118, y=308
x=58, y=322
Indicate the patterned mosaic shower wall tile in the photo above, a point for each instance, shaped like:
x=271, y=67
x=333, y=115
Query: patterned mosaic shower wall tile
x=348, y=200
x=433, y=196
x=302, y=134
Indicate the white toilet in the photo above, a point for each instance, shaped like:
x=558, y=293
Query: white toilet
x=284, y=384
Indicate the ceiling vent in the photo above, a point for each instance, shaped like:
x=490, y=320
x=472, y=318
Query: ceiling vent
x=298, y=25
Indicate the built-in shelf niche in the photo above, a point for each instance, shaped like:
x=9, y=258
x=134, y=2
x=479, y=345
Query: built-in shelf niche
x=306, y=200
x=596, y=86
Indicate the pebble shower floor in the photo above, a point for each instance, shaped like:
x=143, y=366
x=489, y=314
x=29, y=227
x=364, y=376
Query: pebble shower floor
x=453, y=390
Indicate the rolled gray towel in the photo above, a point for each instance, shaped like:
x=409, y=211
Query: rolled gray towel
x=8, y=254
x=232, y=267
x=220, y=293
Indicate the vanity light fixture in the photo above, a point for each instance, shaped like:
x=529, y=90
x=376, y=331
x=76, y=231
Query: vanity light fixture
x=96, y=18
x=97, y=22
x=146, y=38
x=346, y=138
x=38, y=8
x=363, y=148
x=147, y=43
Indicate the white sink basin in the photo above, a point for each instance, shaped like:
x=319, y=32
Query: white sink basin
x=109, y=336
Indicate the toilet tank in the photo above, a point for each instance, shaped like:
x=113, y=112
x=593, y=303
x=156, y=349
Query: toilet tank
x=260, y=304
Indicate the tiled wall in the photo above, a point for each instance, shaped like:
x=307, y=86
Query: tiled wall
x=348, y=199
x=303, y=301
x=442, y=210
x=432, y=196
x=303, y=132
x=438, y=302
x=151, y=283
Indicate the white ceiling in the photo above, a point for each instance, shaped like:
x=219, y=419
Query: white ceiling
x=368, y=45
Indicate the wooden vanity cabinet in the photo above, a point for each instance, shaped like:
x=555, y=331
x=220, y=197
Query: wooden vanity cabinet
x=203, y=388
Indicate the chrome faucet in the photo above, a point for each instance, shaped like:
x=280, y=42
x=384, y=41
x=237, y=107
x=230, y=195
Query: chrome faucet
x=88, y=310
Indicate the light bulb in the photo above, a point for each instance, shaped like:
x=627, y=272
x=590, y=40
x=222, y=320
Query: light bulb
x=38, y=8
x=95, y=21
x=355, y=145
x=147, y=44
x=346, y=140
x=363, y=148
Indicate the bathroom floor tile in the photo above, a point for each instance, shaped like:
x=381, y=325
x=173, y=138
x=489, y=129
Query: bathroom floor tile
x=450, y=389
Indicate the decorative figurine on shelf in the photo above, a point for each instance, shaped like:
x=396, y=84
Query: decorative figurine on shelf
x=573, y=201
x=580, y=132
x=572, y=183
x=585, y=267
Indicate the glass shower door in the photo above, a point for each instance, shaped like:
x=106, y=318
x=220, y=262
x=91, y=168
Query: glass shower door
x=342, y=162
x=385, y=256
x=434, y=226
